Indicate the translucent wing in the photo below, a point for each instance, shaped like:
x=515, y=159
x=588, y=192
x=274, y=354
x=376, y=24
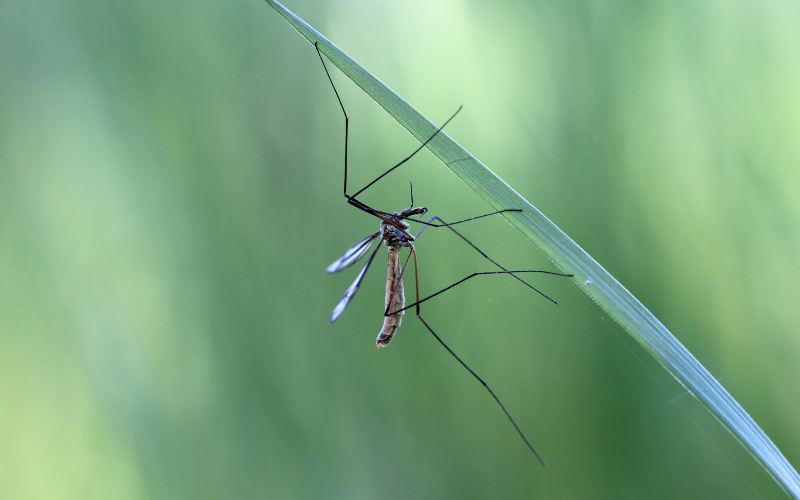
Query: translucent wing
x=353, y=255
x=350, y=293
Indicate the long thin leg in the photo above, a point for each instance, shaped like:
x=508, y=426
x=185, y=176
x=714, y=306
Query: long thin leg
x=411, y=155
x=519, y=431
x=409, y=306
x=483, y=382
x=346, y=120
x=467, y=220
x=346, y=126
x=445, y=224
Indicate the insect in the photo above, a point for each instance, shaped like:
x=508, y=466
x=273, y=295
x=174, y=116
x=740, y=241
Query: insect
x=394, y=233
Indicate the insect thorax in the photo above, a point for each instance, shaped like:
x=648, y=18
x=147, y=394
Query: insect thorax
x=392, y=236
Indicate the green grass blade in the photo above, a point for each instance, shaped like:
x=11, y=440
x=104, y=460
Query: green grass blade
x=567, y=255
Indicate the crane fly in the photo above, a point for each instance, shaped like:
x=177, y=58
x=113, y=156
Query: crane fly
x=394, y=233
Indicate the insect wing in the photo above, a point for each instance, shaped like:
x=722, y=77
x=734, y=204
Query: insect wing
x=353, y=255
x=350, y=293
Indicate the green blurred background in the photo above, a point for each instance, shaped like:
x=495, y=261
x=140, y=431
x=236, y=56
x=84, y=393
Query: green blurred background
x=170, y=195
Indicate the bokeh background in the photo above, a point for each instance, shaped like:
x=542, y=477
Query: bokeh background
x=170, y=195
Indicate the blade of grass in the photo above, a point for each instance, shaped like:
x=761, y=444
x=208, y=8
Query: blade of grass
x=567, y=255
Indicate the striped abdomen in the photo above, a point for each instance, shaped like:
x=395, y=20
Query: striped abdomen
x=395, y=299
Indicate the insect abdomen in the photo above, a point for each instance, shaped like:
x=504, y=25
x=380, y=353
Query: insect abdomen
x=395, y=299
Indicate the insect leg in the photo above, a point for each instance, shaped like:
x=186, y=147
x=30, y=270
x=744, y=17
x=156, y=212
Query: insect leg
x=346, y=120
x=478, y=377
x=411, y=155
x=466, y=220
x=512, y=273
x=350, y=198
x=505, y=271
